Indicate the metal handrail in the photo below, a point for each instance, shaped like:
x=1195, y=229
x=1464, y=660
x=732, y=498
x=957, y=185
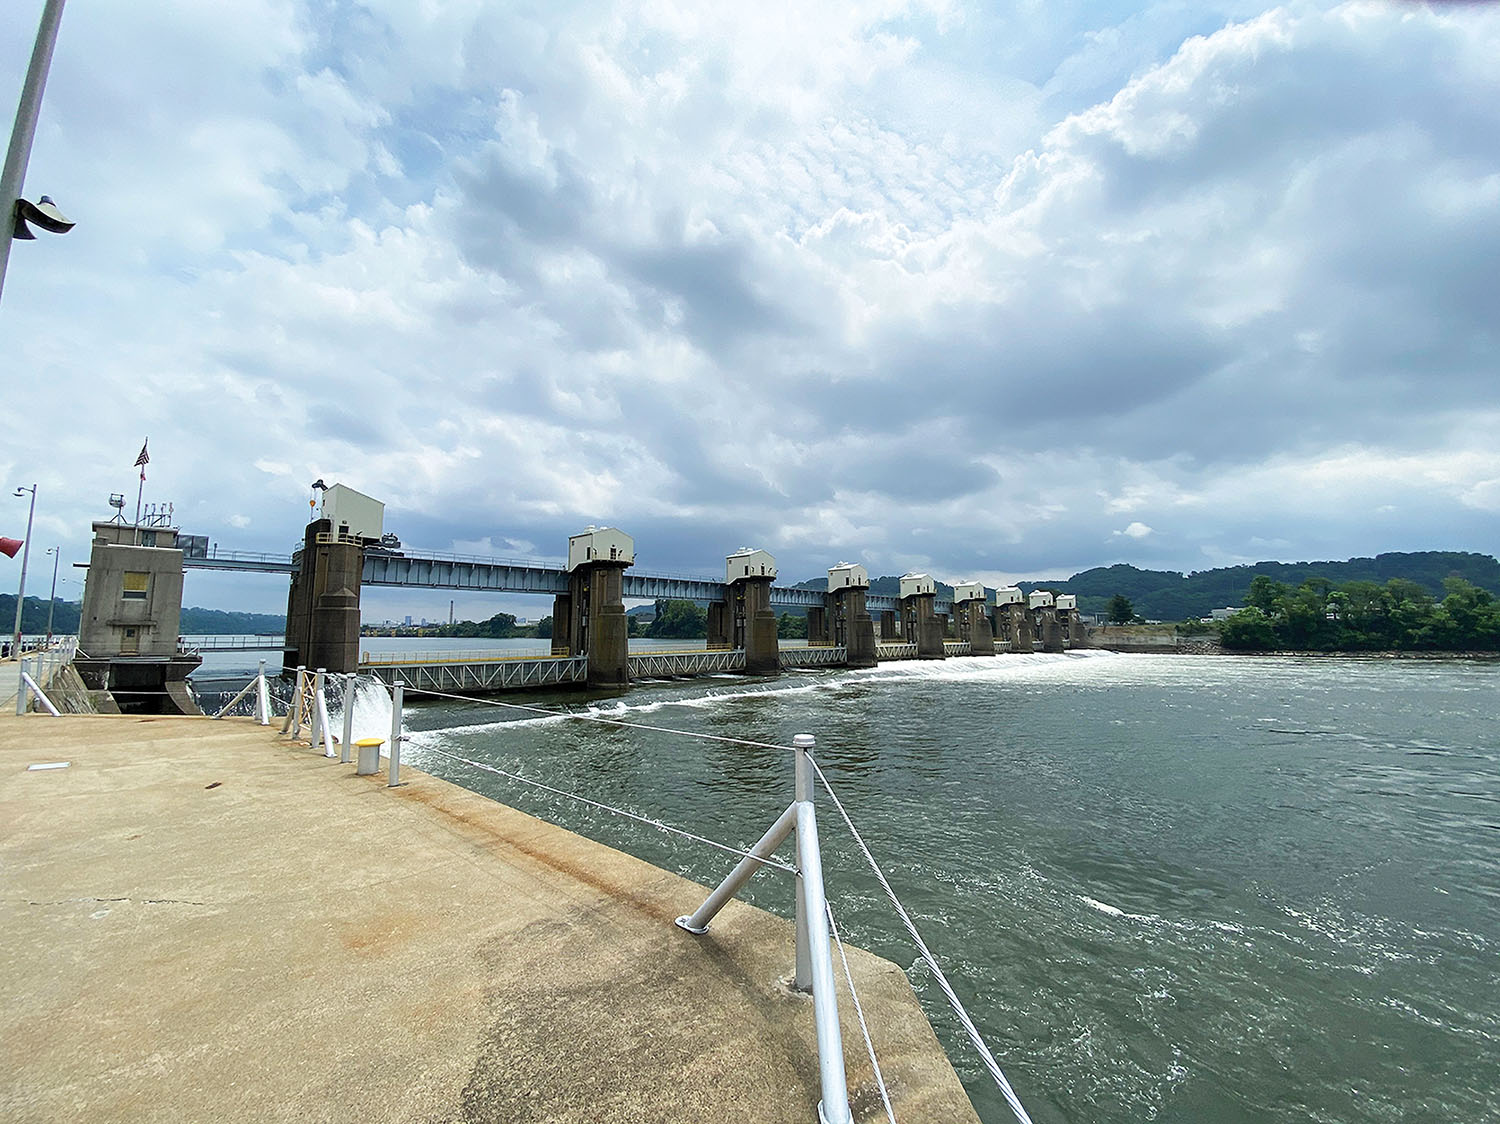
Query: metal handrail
x=481, y=655
x=814, y=969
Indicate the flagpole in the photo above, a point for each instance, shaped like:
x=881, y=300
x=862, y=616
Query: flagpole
x=140, y=462
x=140, y=491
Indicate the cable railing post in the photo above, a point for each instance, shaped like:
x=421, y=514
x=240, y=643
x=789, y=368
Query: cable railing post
x=802, y=977
x=348, y=718
x=834, y=1107
x=323, y=725
x=299, y=699
x=398, y=693
x=262, y=697
x=317, y=695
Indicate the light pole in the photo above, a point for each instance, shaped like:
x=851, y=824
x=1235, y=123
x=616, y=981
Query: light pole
x=56, y=553
x=25, y=554
x=13, y=177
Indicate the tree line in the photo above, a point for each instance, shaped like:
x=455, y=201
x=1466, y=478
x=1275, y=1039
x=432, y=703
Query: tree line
x=1363, y=616
x=687, y=620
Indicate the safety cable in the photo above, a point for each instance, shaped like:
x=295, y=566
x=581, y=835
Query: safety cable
x=859, y=1010
x=958, y=1008
x=608, y=808
x=970, y=1029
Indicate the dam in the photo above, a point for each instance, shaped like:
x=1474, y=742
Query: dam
x=346, y=549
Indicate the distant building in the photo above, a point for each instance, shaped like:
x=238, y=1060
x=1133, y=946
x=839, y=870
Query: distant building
x=1222, y=614
x=913, y=585
x=848, y=575
x=748, y=562
x=600, y=544
x=968, y=591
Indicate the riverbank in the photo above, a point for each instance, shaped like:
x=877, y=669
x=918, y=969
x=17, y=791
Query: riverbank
x=202, y=921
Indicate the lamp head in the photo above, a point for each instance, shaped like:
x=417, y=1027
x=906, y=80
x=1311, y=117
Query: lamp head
x=44, y=214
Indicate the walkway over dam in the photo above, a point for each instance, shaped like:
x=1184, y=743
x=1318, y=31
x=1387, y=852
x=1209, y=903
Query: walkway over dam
x=509, y=575
x=345, y=550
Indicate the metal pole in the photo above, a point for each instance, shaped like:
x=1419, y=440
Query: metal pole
x=21, y=688
x=834, y=1107
x=802, y=977
x=13, y=179
x=26, y=547
x=262, y=697
x=348, y=718
x=315, y=726
x=785, y=824
x=56, y=553
x=398, y=695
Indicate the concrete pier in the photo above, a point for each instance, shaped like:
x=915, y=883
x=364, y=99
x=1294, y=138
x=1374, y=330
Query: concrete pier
x=322, y=608
x=205, y=922
x=971, y=618
x=919, y=619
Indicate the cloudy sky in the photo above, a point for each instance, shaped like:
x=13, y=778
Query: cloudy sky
x=996, y=291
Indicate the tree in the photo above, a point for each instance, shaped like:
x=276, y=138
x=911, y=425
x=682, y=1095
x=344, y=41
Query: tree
x=679, y=620
x=1264, y=594
x=1249, y=629
x=1120, y=610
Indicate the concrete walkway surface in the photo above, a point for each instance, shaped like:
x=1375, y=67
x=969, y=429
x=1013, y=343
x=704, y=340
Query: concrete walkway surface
x=200, y=921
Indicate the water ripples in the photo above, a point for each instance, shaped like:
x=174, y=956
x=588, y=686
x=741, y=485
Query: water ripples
x=1168, y=888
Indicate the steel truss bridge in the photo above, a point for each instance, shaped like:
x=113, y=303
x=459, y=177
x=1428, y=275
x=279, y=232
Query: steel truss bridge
x=509, y=575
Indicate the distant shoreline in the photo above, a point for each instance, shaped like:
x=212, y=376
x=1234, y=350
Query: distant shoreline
x=1216, y=650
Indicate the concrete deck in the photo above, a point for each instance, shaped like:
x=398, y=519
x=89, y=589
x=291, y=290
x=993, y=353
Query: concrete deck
x=201, y=921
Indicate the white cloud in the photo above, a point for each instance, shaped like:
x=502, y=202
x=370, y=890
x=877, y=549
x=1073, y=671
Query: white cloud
x=922, y=284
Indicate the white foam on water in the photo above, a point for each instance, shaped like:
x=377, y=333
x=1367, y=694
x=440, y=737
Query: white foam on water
x=372, y=712
x=1101, y=906
x=626, y=711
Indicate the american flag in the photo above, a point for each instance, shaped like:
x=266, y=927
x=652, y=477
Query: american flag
x=143, y=460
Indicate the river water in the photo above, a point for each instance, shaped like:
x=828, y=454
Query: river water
x=1176, y=888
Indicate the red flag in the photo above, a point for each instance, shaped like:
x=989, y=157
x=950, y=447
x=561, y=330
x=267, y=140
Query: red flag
x=8, y=547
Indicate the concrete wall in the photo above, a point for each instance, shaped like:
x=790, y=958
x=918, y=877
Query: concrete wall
x=755, y=625
x=974, y=626
x=853, y=627
x=113, y=624
x=922, y=627
x=322, y=610
x=597, y=626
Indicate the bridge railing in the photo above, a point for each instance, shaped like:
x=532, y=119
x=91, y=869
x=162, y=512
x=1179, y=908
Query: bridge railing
x=475, y=655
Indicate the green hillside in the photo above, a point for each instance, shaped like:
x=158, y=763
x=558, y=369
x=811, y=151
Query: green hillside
x=195, y=622
x=1170, y=596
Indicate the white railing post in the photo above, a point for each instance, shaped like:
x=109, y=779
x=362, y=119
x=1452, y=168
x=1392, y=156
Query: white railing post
x=317, y=697
x=697, y=922
x=299, y=699
x=348, y=718
x=802, y=978
x=262, y=697
x=20, y=684
x=814, y=969
x=834, y=1107
x=41, y=696
x=398, y=695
